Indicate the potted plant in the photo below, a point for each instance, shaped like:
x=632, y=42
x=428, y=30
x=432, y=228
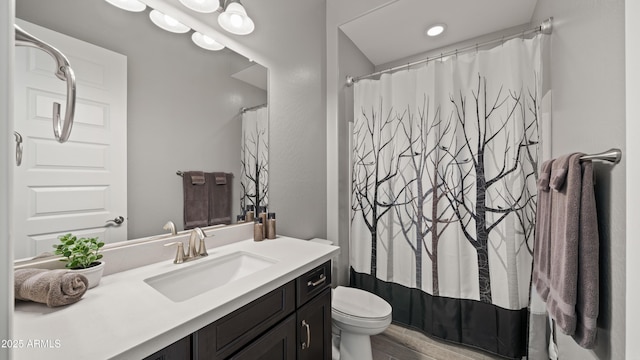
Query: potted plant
x=82, y=255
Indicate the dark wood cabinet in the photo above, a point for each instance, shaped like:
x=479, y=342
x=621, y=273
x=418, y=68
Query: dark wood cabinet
x=179, y=350
x=314, y=328
x=278, y=343
x=231, y=333
x=290, y=322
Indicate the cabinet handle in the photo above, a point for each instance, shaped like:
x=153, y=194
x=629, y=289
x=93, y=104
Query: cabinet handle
x=306, y=344
x=317, y=282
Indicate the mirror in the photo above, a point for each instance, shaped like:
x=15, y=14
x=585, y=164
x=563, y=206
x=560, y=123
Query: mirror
x=183, y=110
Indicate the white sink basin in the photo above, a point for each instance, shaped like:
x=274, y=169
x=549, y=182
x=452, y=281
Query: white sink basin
x=207, y=274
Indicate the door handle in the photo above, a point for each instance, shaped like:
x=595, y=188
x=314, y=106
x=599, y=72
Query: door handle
x=306, y=344
x=18, y=148
x=118, y=220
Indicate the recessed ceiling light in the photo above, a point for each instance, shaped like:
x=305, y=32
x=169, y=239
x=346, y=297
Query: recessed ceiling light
x=436, y=29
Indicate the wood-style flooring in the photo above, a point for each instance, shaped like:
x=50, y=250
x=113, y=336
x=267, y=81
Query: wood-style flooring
x=398, y=343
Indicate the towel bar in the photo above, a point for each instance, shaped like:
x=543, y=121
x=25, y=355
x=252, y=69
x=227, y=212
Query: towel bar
x=612, y=155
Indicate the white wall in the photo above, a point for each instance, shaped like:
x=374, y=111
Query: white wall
x=588, y=82
x=183, y=106
x=6, y=155
x=632, y=51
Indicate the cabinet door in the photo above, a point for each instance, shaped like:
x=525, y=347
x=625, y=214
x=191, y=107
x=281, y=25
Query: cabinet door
x=314, y=328
x=179, y=350
x=231, y=333
x=278, y=343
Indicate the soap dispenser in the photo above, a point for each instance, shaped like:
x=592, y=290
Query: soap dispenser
x=249, y=213
x=262, y=213
x=271, y=225
x=258, y=230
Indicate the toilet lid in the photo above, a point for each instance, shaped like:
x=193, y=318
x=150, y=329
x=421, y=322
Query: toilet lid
x=359, y=303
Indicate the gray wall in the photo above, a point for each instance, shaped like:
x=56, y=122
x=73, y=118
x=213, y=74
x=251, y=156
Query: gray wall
x=352, y=62
x=183, y=106
x=588, y=84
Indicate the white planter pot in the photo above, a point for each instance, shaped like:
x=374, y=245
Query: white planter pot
x=93, y=274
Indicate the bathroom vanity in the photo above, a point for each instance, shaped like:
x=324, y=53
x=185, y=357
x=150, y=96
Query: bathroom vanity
x=291, y=322
x=275, y=305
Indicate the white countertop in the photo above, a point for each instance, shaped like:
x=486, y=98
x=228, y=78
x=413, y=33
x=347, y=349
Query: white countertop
x=125, y=318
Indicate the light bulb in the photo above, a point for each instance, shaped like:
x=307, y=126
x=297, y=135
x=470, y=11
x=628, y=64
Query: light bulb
x=235, y=20
x=129, y=5
x=435, y=30
x=170, y=21
x=208, y=40
x=167, y=22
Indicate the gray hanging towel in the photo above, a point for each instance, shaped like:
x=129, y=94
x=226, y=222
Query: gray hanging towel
x=542, y=246
x=566, y=185
x=587, y=302
x=220, y=197
x=196, y=199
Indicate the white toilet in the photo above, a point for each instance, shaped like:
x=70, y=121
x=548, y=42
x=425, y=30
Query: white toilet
x=358, y=314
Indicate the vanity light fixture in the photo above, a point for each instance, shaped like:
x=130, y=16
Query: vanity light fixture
x=206, y=42
x=129, y=5
x=203, y=6
x=168, y=23
x=234, y=18
x=435, y=30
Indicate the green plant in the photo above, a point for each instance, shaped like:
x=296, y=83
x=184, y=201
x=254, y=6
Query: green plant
x=78, y=253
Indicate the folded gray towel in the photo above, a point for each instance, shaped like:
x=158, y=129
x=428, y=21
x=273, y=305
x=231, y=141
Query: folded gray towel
x=51, y=287
x=197, y=177
x=221, y=197
x=196, y=201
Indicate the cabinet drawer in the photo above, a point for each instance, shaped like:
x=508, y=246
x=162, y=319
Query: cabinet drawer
x=278, y=343
x=225, y=336
x=313, y=282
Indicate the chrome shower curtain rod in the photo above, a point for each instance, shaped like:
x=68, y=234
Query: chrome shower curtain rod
x=244, y=109
x=546, y=27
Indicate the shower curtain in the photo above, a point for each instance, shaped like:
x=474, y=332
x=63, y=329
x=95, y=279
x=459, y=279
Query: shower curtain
x=444, y=169
x=254, y=158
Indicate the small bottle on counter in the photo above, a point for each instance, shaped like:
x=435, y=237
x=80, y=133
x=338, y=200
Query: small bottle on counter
x=258, y=230
x=262, y=213
x=240, y=219
x=248, y=215
x=271, y=225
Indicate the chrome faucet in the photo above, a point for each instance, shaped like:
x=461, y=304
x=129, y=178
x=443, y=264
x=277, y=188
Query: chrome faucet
x=193, y=252
x=170, y=226
x=201, y=250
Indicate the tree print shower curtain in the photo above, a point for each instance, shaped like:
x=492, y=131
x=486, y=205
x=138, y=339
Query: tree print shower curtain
x=254, y=158
x=444, y=169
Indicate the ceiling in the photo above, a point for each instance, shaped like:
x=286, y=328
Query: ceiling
x=396, y=30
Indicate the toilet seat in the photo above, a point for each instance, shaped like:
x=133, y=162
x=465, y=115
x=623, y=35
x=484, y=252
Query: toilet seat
x=355, y=305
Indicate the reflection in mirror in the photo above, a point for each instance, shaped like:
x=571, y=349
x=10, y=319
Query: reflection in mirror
x=254, y=158
x=150, y=103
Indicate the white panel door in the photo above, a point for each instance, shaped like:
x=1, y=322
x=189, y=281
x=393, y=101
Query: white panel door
x=80, y=185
